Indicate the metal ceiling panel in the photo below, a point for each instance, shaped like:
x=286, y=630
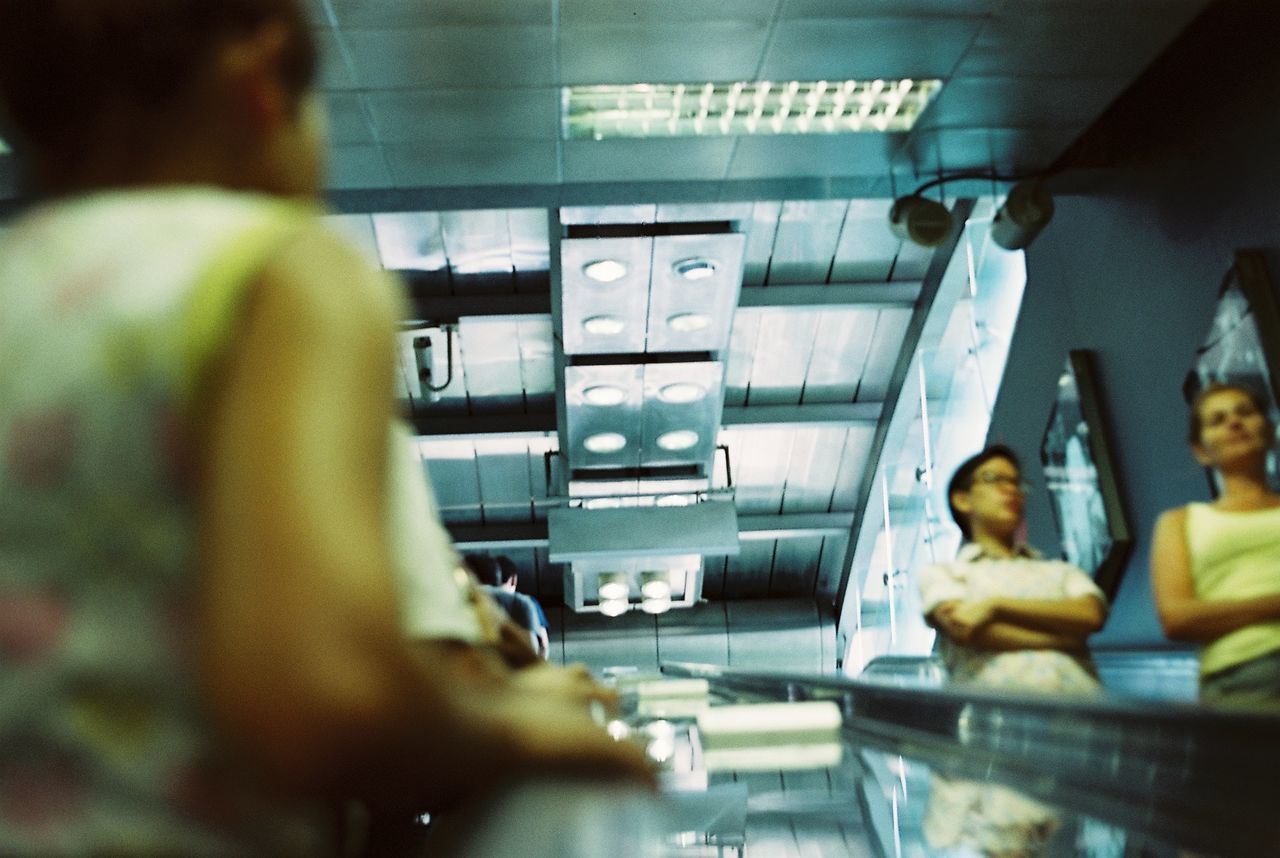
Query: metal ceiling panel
x=760, y=459
x=853, y=464
x=625, y=299
x=661, y=52
x=451, y=466
x=761, y=233
x=530, y=248
x=477, y=242
x=661, y=416
x=390, y=14
x=770, y=156
x=452, y=57
x=831, y=566
x=676, y=303
x=335, y=72
x=410, y=241
x=812, y=471
x=808, y=233
x=795, y=566
x=704, y=212
x=987, y=101
x=505, y=490
x=742, y=349
x=594, y=215
x=348, y=119
x=664, y=11
x=614, y=536
x=699, y=635
x=537, y=361
x=492, y=361
x=601, y=642
x=359, y=167
x=776, y=635
x=795, y=9
x=891, y=328
x=747, y=575
x=868, y=48
x=781, y=360
x=842, y=345
x=867, y=247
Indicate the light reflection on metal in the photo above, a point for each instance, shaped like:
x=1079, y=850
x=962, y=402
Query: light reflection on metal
x=604, y=326
x=605, y=442
x=605, y=270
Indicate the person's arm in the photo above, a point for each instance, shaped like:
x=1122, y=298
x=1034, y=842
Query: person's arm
x=1076, y=617
x=1000, y=635
x=299, y=651
x=1183, y=615
x=977, y=622
x=544, y=643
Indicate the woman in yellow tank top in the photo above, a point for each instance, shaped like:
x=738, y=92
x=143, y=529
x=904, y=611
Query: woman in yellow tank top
x=1215, y=567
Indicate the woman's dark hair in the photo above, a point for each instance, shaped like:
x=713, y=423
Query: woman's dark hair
x=1196, y=424
x=69, y=67
x=962, y=479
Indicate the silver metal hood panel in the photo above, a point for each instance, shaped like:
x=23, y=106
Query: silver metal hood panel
x=714, y=298
x=709, y=528
x=626, y=299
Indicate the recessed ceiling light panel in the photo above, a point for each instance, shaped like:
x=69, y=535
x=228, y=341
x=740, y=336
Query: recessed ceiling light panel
x=605, y=270
x=605, y=442
x=688, y=323
x=744, y=108
x=604, y=395
x=604, y=326
x=680, y=439
x=695, y=269
x=681, y=393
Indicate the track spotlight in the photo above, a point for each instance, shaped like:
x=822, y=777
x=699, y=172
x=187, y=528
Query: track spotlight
x=1025, y=212
x=923, y=221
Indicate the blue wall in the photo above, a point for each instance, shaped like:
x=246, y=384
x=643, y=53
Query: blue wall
x=1130, y=268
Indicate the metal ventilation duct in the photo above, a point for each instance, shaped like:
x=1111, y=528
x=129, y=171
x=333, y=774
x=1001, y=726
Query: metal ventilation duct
x=706, y=529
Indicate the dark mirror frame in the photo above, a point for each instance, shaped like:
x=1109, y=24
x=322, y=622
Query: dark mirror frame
x=1249, y=274
x=1108, y=571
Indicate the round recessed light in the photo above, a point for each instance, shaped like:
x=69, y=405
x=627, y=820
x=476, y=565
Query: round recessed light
x=680, y=439
x=613, y=585
x=604, y=326
x=656, y=606
x=614, y=607
x=605, y=270
x=655, y=585
x=605, y=395
x=681, y=392
x=602, y=503
x=686, y=323
x=696, y=268
x=605, y=442
x=673, y=500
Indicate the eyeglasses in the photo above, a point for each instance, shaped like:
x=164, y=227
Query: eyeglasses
x=1016, y=483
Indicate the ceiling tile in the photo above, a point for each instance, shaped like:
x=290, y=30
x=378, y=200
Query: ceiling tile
x=460, y=57
x=793, y=9
x=406, y=116
x=983, y=102
x=794, y=155
x=335, y=73
x=448, y=163
x=1007, y=150
x=358, y=166
x=839, y=49
x=348, y=122
x=577, y=12
x=1070, y=41
x=667, y=53
x=638, y=160
x=398, y=14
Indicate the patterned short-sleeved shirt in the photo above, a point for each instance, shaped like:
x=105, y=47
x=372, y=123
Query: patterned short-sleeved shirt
x=113, y=307
x=975, y=575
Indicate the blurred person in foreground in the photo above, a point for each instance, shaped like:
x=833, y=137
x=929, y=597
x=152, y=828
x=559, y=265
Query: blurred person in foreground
x=200, y=615
x=1215, y=567
x=1007, y=620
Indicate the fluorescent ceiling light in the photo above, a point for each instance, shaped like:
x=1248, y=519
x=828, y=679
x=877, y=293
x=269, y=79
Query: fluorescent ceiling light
x=744, y=108
x=604, y=326
x=681, y=392
x=604, y=395
x=605, y=270
x=605, y=442
x=656, y=606
x=687, y=323
x=681, y=439
x=695, y=269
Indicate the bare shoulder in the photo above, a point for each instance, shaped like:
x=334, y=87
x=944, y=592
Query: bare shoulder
x=327, y=280
x=1172, y=520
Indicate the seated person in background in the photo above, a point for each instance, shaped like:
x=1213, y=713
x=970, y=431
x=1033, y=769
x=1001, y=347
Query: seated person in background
x=1215, y=567
x=517, y=607
x=1009, y=620
x=201, y=623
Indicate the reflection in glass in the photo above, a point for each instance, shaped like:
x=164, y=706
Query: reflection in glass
x=1072, y=480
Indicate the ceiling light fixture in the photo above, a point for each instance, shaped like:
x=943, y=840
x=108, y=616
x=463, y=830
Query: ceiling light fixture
x=688, y=323
x=605, y=442
x=681, y=392
x=673, y=500
x=741, y=108
x=1025, y=212
x=604, y=395
x=614, y=607
x=656, y=606
x=920, y=220
x=695, y=268
x=613, y=585
x=604, y=326
x=680, y=439
x=605, y=270
x=655, y=585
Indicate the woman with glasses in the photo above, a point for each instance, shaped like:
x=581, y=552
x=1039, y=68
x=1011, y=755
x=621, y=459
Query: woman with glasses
x=1006, y=619
x=1215, y=567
